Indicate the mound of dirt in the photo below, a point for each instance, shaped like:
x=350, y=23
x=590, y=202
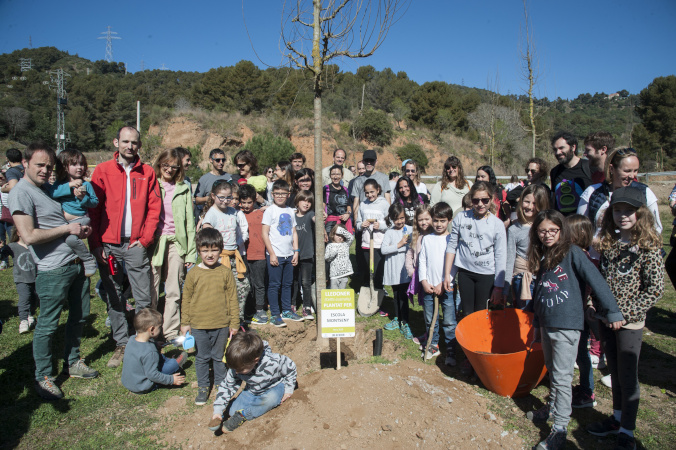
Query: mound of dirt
x=401, y=405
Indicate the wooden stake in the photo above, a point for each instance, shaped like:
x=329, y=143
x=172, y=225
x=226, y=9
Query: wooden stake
x=338, y=354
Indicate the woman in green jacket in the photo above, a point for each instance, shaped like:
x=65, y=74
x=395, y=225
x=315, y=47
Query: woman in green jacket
x=174, y=250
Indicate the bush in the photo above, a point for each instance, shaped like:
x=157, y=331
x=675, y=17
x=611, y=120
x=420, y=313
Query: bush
x=269, y=149
x=374, y=127
x=414, y=152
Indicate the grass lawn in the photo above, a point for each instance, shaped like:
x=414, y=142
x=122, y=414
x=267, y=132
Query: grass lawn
x=102, y=413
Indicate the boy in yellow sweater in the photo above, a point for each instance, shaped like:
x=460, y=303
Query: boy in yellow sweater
x=210, y=310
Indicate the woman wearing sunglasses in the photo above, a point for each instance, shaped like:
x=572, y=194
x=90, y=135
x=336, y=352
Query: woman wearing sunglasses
x=409, y=168
x=174, y=250
x=452, y=187
x=247, y=166
x=477, y=249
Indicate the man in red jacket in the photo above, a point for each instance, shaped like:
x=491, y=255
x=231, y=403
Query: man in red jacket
x=124, y=225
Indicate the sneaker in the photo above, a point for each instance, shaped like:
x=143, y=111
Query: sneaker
x=608, y=426
x=420, y=340
x=181, y=359
x=541, y=415
x=260, y=318
x=48, y=390
x=277, y=321
x=406, y=331
x=433, y=351
x=24, y=327
x=555, y=441
x=383, y=313
x=290, y=315
x=118, y=356
x=602, y=363
x=307, y=314
x=215, y=424
x=90, y=266
x=233, y=422
x=108, y=322
x=202, y=396
x=625, y=442
x=392, y=325
x=31, y=322
x=583, y=400
x=80, y=370
x=450, y=360
x=606, y=381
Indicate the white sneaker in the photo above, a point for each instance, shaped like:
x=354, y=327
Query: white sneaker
x=31, y=322
x=606, y=381
x=24, y=327
x=594, y=361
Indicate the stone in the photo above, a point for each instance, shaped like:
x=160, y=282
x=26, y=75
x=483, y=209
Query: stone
x=386, y=427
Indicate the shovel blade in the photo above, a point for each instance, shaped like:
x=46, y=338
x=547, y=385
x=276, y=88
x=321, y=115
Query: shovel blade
x=369, y=301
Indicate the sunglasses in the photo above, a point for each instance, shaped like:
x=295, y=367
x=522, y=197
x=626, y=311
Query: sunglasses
x=485, y=201
x=531, y=171
x=626, y=151
x=451, y=167
x=241, y=166
x=410, y=170
x=218, y=160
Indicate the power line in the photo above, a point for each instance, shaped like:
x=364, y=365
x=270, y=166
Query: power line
x=108, y=36
x=25, y=64
x=58, y=83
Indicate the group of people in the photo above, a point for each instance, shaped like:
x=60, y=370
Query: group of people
x=534, y=246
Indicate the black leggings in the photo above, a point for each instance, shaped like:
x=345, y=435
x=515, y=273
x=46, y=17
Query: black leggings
x=400, y=302
x=475, y=290
x=378, y=268
x=623, y=348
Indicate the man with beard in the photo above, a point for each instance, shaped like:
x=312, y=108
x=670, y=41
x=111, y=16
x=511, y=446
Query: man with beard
x=571, y=176
x=597, y=146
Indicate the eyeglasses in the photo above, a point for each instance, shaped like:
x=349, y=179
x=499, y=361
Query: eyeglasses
x=224, y=199
x=218, y=160
x=550, y=233
x=485, y=201
x=241, y=166
x=280, y=194
x=167, y=166
x=531, y=171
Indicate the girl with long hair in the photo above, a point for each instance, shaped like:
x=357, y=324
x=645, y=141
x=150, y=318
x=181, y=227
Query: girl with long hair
x=562, y=271
x=453, y=185
x=408, y=197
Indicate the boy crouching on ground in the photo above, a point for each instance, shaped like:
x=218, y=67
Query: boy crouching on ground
x=270, y=380
x=144, y=366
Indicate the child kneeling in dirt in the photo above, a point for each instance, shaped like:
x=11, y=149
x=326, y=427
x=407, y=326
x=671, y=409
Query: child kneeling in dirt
x=270, y=380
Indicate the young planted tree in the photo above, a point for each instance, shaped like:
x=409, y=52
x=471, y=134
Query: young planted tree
x=529, y=72
x=313, y=33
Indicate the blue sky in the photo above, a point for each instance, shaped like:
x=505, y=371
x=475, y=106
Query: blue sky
x=583, y=46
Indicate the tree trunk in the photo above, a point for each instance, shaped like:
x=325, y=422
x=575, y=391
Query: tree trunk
x=320, y=266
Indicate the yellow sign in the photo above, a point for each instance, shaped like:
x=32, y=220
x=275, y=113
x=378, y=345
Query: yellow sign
x=338, y=313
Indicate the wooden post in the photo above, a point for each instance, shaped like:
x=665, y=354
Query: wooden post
x=338, y=354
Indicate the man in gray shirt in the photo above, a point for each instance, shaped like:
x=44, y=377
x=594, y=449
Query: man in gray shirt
x=203, y=189
x=42, y=225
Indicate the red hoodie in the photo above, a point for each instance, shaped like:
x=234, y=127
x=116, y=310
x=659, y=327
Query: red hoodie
x=110, y=183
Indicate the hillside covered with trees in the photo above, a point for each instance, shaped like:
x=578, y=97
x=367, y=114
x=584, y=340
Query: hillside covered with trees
x=374, y=105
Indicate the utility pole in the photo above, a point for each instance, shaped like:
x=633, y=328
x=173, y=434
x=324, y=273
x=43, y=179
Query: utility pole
x=58, y=83
x=143, y=67
x=108, y=36
x=30, y=41
x=163, y=67
x=25, y=64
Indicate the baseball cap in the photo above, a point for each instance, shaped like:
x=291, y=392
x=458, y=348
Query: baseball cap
x=370, y=154
x=630, y=195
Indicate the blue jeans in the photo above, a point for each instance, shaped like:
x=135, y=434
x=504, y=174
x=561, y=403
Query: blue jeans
x=168, y=366
x=252, y=405
x=584, y=362
x=280, y=277
x=449, y=322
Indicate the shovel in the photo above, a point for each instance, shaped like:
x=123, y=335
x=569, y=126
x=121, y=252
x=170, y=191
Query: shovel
x=370, y=299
